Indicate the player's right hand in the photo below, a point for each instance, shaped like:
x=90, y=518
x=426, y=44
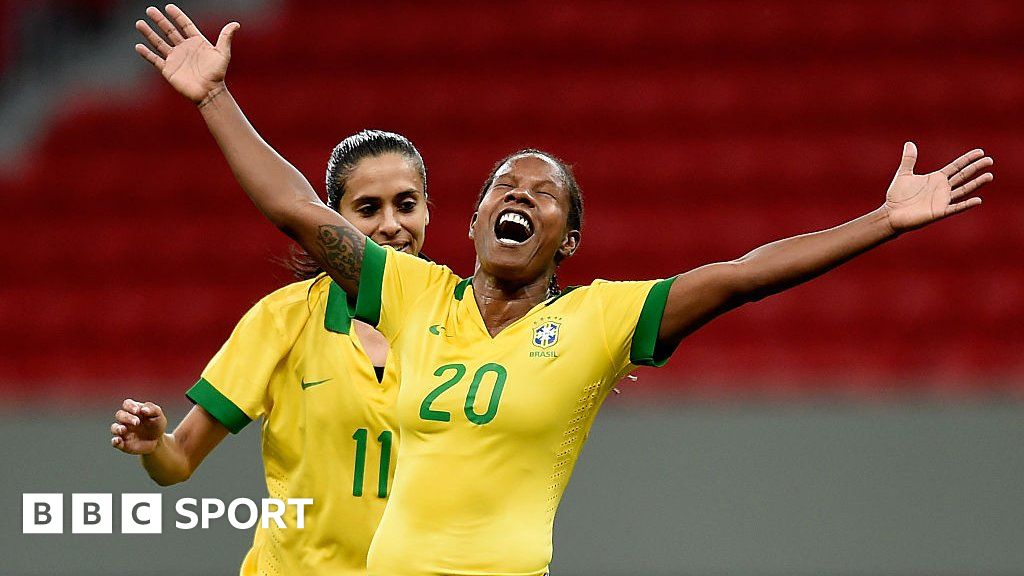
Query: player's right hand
x=187, y=60
x=138, y=427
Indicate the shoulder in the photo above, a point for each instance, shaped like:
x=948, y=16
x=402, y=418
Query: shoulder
x=608, y=288
x=610, y=296
x=295, y=301
x=411, y=262
x=416, y=276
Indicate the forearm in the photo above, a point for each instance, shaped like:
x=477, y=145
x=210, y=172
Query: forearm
x=274, y=185
x=780, y=265
x=282, y=194
x=167, y=464
x=705, y=293
x=912, y=201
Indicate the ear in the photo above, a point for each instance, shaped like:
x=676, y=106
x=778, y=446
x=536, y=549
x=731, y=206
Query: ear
x=426, y=219
x=472, y=223
x=569, y=244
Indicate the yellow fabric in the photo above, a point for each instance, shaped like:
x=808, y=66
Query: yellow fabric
x=307, y=434
x=482, y=472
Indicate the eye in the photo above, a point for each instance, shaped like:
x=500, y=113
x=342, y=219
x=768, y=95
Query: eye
x=407, y=206
x=366, y=210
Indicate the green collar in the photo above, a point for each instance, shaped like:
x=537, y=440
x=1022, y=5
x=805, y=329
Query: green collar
x=565, y=291
x=339, y=314
x=460, y=288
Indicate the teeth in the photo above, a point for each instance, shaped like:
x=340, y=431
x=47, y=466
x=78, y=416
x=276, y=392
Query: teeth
x=517, y=218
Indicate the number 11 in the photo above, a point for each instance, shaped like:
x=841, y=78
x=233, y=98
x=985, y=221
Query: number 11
x=360, y=465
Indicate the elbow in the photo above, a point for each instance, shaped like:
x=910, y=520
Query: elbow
x=298, y=219
x=170, y=479
x=750, y=284
x=284, y=219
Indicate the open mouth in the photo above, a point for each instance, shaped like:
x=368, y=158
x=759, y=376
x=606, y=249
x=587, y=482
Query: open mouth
x=513, y=228
x=399, y=246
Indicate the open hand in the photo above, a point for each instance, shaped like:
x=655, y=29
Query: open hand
x=187, y=60
x=138, y=427
x=915, y=200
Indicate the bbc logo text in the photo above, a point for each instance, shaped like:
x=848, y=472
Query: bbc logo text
x=93, y=513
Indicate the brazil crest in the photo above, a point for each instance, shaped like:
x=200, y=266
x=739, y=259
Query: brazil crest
x=546, y=335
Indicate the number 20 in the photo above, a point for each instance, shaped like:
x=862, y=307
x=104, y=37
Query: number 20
x=500, y=375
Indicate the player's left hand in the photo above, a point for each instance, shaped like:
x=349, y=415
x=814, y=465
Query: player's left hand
x=188, y=61
x=915, y=200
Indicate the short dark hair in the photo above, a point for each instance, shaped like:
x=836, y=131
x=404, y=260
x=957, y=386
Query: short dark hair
x=343, y=161
x=575, y=218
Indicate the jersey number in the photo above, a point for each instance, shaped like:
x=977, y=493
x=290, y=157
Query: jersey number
x=458, y=371
x=382, y=470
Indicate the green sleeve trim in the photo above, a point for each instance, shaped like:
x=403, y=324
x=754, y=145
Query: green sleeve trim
x=371, y=283
x=338, y=316
x=218, y=405
x=645, y=349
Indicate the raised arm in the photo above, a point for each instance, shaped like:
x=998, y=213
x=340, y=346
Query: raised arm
x=197, y=69
x=912, y=201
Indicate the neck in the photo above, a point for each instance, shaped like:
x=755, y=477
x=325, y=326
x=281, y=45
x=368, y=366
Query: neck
x=502, y=302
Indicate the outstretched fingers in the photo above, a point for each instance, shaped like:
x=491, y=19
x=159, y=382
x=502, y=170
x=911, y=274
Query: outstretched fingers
x=165, y=26
x=949, y=170
x=963, y=206
x=970, y=170
x=153, y=38
x=971, y=187
x=149, y=56
x=188, y=28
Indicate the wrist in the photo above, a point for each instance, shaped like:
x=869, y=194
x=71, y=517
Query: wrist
x=882, y=217
x=158, y=446
x=217, y=90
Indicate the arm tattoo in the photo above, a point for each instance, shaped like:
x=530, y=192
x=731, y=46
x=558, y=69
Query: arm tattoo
x=342, y=249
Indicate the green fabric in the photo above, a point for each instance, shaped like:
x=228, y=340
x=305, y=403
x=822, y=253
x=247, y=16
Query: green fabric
x=460, y=288
x=338, y=317
x=224, y=410
x=371, y=283
x=645, y=349
x=565, y=291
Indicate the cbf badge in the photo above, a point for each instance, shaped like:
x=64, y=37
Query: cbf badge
x=545, y=335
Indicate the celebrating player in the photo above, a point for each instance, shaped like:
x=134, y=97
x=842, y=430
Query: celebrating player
x=323, y=383
x=502, y=375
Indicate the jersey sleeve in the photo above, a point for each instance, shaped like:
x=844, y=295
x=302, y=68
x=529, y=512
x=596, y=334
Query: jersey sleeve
x=234, y=384
x=392, y=283
x=631, y=313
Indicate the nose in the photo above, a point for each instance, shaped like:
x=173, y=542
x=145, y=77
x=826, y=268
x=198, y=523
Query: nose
x=389, y=224
x=519, y=196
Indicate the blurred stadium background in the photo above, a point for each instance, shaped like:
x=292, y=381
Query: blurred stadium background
x=867, y=424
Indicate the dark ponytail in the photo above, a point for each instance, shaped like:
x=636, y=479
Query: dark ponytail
x=343, y=161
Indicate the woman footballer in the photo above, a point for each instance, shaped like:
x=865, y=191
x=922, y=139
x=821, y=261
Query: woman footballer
x=502, y=375
x=324, y=384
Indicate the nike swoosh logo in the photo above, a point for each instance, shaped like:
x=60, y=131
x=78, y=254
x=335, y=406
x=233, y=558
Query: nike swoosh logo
x=311, y=384
x=436, y=329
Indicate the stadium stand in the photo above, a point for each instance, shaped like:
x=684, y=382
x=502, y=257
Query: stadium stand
x=698, y=132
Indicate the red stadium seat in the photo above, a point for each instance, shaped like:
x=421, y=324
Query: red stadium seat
x=698, y=131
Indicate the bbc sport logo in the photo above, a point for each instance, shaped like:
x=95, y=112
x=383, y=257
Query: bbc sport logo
x=93, y=513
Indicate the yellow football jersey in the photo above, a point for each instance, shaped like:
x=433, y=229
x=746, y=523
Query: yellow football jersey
x=328, y=430
x=492, y=426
